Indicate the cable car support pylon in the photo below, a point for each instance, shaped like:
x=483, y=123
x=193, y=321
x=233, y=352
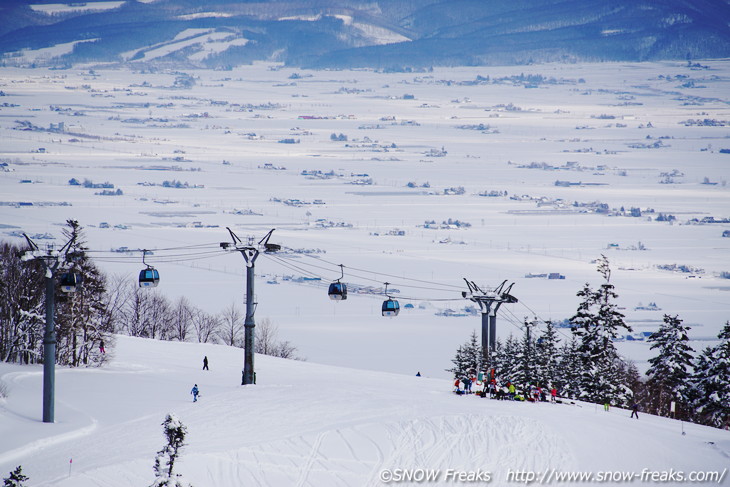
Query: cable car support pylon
x=489, y=302
x=53, y=261
x=249, y=252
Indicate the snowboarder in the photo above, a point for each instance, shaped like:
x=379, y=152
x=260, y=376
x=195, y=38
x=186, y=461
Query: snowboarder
x=101, y=346
x=467, y=385
x=635, y=410
x=418, y=374
x=205, y=363
x=553, y=394
x=457, y=385
x=512, y=391
x=606, y=405
x=195, y=392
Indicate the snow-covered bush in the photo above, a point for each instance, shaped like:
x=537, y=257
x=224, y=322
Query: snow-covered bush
x=175, y=433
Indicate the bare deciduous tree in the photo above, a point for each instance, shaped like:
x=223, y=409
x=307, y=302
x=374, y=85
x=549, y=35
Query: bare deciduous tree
x=135, y=312
x=22, y=310
x=182, y=317
x=231, y=330
x=147, y=314
x=160, y=317
x=206, y=326
x=268, y=343
x=115, y=299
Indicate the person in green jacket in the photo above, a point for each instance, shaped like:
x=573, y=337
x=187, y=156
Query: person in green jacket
x=512, y=391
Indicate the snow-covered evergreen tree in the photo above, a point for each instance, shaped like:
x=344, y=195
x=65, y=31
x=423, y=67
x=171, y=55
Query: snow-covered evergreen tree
x=628, y=383
x=495, y=361
x=546, y=356
x=468, y=358
x=16, y=478
x=597, y=323
x=509, y=361
x=523, y=374
x=671, y=368
x=569, y=370
x=711, y=383
x=175, y=433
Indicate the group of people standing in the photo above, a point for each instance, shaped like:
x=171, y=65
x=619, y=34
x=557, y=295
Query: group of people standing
x=505, y=391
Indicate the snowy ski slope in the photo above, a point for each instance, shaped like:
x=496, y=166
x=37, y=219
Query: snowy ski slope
x=306, y=424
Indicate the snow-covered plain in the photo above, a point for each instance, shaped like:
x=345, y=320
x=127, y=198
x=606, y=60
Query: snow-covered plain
x=63, y=8
x=306, y=424
x=615, y=128
x=313, y=424
x=134, y=129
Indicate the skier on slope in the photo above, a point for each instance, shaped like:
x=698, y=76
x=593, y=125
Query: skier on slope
x=195, y=392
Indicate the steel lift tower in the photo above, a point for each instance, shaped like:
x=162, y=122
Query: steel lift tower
x=489, y=302
x=53, y=262
x=249, y=252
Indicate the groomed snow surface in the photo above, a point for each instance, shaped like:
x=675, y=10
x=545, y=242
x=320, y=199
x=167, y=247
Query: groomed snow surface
x=305, y=424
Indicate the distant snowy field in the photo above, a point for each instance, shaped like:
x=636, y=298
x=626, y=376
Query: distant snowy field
x=62, y=8
x=624, y=135
x=306, y=424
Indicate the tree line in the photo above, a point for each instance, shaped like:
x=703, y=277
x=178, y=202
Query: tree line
x=586, y=366
x=103, y=306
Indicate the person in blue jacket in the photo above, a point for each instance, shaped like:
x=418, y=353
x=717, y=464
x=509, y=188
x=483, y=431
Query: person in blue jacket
x=195, y=391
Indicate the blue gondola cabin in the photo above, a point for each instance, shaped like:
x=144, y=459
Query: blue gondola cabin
x=149, y=277
x=391, y=307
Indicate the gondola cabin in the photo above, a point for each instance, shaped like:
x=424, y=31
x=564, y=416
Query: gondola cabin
x=338, y=291
x=149, y=277
x=69, y=282
x=391, y=307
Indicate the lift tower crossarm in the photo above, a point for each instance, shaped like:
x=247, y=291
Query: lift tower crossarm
x=489, y=303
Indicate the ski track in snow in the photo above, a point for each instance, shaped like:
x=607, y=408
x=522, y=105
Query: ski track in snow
x=38, y=445
x=354, y=456
x=16, y=379
x=721, y=451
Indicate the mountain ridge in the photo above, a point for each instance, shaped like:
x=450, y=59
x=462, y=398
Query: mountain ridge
x=400, y=34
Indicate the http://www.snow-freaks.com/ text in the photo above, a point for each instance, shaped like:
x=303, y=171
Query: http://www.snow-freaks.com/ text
x=547, y=477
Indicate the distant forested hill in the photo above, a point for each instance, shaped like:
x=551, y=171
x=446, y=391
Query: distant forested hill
x=388, y=34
